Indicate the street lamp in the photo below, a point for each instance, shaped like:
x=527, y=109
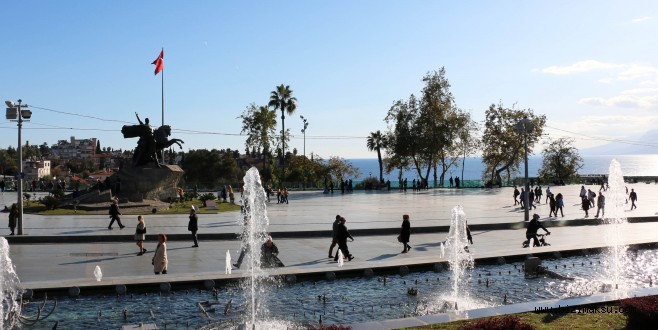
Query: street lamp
x=16, y=113
x=304, y=132
x=525, y=126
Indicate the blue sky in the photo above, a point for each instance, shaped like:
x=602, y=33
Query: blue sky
x=590, y=66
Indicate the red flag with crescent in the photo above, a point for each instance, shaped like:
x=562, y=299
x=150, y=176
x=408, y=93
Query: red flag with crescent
x=159, y=62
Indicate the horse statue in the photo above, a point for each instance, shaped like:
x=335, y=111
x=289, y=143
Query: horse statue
x=151, y=143
x=162, y=139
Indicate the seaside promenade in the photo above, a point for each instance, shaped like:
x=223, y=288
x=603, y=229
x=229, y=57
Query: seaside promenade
x=60, y=252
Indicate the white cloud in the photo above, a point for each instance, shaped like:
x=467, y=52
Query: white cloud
x=640, y=19
x=582, y=66
x=623, y=101
x=641, y=90
x=634, y=71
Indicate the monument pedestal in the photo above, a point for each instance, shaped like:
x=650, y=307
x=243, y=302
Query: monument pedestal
x=147, y=182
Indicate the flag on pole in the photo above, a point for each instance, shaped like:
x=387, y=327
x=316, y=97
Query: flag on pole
x=159, y=62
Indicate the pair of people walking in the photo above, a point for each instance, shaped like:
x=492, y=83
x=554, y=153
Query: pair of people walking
x=340, y=236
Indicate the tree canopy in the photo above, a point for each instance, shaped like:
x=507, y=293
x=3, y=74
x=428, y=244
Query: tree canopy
x=504, y=143
x=424, y=132
x=561, y=160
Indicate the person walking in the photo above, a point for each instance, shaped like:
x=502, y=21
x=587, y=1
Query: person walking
x=552, y=204
x=585, y=205
x=548, y=194
x=516, y=195
x=633, y=197
x=559, y=204
x=140, y=234
x=405, y=233
x=160, y=261
x=601, y=205
x=538, y=193
x=590, y=197
x=114, y=214
x=343, y=235
x=334, y=237
x=13, y=218
x=193, y=225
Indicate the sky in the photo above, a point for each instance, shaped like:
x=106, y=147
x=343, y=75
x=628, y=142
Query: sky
x=85, y=67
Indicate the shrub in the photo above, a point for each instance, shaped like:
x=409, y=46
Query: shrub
x=207, y=197
x=507, y=322
x=331, y=327
x=640, y=311
x=49, y=202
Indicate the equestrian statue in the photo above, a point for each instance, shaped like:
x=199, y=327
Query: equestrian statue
x=151, y=142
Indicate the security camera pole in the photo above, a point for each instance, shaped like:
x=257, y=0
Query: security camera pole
x=15, y=113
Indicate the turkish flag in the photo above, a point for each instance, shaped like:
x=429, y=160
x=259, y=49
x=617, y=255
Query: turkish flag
x=159, y=63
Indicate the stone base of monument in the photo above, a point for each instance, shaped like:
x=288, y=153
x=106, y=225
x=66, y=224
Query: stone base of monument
x=147, y=182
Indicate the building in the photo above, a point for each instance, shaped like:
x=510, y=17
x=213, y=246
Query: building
x=75, y=148
x=36, y=169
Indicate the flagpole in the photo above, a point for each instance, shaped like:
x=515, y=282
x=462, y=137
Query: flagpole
x=163, y=153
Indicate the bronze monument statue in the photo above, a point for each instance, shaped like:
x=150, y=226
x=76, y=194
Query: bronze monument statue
x=150, y=143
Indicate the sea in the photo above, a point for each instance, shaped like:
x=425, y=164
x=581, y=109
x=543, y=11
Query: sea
x=631, y=165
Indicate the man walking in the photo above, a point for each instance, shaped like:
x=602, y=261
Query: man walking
x=601, y=205
x=114, y=214
x=343, y=235
x=334, y=237
x=193, y=225
x=633, y=197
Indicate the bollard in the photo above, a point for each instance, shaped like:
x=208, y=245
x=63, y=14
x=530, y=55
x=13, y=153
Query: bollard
x=291, y=279
x=74, y=291
x=209, y=284
x=330, y=276
x=165, y=287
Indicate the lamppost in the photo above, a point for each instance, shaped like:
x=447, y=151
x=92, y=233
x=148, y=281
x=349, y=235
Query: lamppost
x=16, y=113
x=525, y=126
x=304, y=132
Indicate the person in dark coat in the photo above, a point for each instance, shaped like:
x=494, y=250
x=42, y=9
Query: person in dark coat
x=405, y=233
x=533, y=226
x=193, y=226
x=585, y=205
x=13, y=218
x=334, y=237
x=115, y=214
x=343, y=235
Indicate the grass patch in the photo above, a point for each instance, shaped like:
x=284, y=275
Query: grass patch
x=611, y=319
x=36, y=207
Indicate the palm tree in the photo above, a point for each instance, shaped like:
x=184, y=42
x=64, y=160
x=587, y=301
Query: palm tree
x=377, y=141
x=282, y=99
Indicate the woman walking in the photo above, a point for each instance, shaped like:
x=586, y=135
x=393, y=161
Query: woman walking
x=140, y=235
x=405, y=233
x=559, y=204
x=160, y=261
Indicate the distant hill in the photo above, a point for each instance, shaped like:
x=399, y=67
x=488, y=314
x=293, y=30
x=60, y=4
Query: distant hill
x=646, y=144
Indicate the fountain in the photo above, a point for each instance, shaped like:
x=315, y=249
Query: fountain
x=340, y=258
x=254, y=233
x=615, y=225
x=10, y=291
x=459, y=258
x=228, y=263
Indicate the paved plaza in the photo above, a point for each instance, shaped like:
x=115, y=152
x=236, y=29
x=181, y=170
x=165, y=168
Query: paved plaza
x=66, y=262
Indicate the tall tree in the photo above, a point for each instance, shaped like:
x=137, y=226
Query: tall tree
x=282, y=99
x=259, y=123
x=504, y=144
x=98, y=147
x=561, y=160
x=423, y=130
x=377, y=141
